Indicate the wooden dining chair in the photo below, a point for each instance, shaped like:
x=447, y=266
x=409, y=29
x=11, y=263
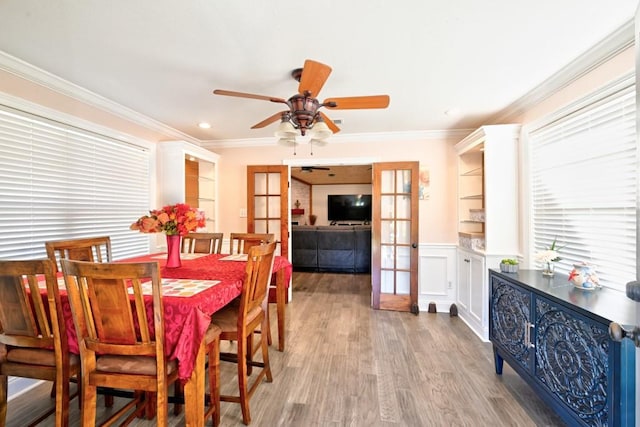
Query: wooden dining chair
x=239, y=322
x=202, y=243
x=34, y=343
x=94, y=249
x=240, y=243
x=117, y=349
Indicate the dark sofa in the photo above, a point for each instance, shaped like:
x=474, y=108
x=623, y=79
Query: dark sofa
x=332, y=248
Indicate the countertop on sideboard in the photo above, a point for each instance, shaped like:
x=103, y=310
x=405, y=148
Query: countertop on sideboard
x=610, y=305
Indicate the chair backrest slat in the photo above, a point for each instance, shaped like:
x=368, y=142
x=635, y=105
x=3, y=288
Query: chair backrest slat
x=257, y=276
x=110, y=295
x=24, y=319
x=240, y=243
x=207, y=243
x=93, y=249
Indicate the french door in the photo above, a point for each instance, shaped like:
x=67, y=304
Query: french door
x=394, y=272
x=267, y=203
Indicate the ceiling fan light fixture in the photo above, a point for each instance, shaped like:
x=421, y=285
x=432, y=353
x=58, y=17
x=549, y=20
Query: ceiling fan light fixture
x=286, y=129
x=320, y=130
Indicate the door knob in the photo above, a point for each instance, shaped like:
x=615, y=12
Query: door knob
x=414, y=245
x=617, y=332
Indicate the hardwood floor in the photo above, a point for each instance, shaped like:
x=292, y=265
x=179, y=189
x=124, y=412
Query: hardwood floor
x=348, y=365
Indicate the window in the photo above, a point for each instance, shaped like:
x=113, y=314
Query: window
x=60, y=182
x=584, y=169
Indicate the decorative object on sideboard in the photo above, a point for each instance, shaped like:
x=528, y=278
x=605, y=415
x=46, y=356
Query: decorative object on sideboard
x=583, y=276
x=509, y=265
x=312, y=219
x=548, y=257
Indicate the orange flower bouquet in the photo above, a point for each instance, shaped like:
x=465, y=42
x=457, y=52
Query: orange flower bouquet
x=178, y=219
x=175, y=221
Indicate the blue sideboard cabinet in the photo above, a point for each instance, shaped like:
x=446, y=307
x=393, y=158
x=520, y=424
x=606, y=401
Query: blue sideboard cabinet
x=556, y=338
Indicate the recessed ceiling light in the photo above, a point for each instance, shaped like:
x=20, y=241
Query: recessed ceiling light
x=204, y=125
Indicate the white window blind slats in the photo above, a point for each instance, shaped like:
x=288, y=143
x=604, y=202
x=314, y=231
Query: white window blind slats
x=584, y=187
x=59, y=182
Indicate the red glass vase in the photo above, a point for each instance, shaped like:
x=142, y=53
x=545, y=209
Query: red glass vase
x=173, y=251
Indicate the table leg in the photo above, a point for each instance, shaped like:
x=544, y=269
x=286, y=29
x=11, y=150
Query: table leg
x=194, y=392
x=281, y=289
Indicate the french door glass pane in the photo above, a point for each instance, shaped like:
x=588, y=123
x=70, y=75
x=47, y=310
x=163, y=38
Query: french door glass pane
x=403, y=181
x=387, y=232
x=387, y=206
x=274, y=228
x=386, y=282
x=403, y=207
x=260, y=226
x=260, y=207
x=260, y=183
x=274, y=183
x=387, y=181
x=403, y=232
x=274, y=207
x=403, y=258
x=403, y=279
x=388, y=255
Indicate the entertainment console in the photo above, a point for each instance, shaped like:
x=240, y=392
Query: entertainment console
x=556, y=338
x=332, y=248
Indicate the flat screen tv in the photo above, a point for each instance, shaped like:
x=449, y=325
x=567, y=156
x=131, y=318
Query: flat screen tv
x=349, y=207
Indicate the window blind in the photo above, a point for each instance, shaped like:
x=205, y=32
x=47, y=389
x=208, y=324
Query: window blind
x=584, y=187
x=61, y=182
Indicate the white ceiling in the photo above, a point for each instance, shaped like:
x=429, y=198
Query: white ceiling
x=163, y=58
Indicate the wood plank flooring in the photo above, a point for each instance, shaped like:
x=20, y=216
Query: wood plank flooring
x=348, y=365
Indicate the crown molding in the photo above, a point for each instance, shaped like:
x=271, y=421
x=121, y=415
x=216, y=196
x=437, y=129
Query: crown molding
x=43, y=78
x=431, y=135
x=615, y=43
x=618, y=41
x=22, y=105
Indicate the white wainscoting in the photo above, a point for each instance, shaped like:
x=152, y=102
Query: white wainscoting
x=437, y=276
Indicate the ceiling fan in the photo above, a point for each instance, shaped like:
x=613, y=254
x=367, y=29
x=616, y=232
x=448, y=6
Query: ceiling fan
x=302, y=113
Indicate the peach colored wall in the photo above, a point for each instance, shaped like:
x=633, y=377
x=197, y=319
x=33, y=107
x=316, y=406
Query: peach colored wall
x=437, y=214
x=618, y=66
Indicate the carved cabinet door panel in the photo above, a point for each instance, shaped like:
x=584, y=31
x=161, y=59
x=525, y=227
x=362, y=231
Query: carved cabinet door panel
x=510, y=316
x=572, y=360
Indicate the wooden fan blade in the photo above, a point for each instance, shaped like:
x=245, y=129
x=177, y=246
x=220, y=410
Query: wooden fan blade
x=358, y=102
x=329, y=122
x=248, y=95
x=269, y=120
x=314, y=75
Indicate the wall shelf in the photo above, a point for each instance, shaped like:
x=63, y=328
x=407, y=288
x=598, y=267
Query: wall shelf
x=297, y=211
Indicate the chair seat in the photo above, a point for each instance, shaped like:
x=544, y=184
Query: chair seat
x=135, y=365
x=37, y=356
x=227, y=320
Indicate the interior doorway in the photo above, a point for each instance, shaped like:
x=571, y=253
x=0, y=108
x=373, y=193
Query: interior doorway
x=332, y=175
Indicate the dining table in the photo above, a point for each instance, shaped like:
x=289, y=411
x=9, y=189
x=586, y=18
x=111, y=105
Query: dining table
x=202, y=285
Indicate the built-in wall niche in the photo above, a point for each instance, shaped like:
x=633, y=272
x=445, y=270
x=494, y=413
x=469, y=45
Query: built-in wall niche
x=200, y=189
x=187, y=174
